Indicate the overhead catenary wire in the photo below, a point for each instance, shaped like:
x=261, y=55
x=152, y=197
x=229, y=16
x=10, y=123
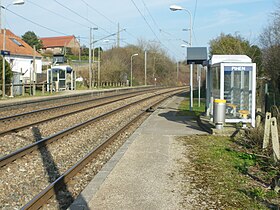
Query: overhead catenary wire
x=107, y=18
x=144, y=18
x=98, y=12
x=66, y=18
x=58, y=14
x=155, y=23
x=76, y=13
x=194, y=15
x=31, y=21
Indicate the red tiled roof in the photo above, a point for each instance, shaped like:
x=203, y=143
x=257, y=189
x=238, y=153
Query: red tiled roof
x=13, y=42
x=60, y=41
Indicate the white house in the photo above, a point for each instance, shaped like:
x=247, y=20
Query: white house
x=20, y=58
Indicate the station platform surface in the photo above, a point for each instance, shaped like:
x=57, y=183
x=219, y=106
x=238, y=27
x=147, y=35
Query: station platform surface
x=144, y=173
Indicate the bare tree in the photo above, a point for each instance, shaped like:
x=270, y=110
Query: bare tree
x=270, y=43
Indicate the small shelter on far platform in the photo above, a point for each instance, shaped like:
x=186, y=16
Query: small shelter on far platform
x=232, y=78
x=61, y=77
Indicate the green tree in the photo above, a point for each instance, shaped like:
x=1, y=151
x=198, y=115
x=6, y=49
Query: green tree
x=31, y=38
x=8, y=72
x=227, y=44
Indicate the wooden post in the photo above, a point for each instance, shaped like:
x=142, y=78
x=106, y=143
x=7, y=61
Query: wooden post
x=258, y=121
x=266, y=130
x=275, y=139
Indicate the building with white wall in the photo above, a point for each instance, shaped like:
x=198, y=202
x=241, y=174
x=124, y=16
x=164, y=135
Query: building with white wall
x=20, y=58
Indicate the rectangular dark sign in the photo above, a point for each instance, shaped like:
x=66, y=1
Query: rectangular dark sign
x=5, y=52
x=196, y=55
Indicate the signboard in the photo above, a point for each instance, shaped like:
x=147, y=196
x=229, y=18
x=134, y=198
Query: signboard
x=238, y=68
x=5, y=52
x=196, y=55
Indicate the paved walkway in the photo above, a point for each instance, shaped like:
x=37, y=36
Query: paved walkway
x=144, y=173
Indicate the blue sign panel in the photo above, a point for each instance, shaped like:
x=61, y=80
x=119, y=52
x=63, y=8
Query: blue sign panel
x=238, y=68
x=5, y=52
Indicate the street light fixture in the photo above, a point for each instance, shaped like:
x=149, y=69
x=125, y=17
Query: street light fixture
x=16, y=2
x=131, y=68
x=177, y=8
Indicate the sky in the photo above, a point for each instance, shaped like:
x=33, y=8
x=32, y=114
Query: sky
x=151, y=21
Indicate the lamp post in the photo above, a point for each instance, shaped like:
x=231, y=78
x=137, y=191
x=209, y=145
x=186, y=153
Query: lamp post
x=16, y=2
x=131, y=68
x=91, y=42
x=145, y=80
x=176, y=8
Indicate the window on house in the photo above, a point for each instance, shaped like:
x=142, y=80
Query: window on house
x=16, y=42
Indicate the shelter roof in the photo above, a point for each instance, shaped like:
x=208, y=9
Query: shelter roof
x=230, y=59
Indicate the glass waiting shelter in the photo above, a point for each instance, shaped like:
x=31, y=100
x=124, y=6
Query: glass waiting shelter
x=232, y=78
x=62, y=77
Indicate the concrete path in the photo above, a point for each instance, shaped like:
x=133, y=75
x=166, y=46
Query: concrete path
x=144, y=173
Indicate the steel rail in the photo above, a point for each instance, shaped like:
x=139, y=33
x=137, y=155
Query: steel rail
x=62, y=97
x=69, y=113
x=65, y=105
x=28, y=149
x=40, y=199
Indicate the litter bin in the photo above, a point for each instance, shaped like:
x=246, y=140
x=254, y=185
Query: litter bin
x=219, y=113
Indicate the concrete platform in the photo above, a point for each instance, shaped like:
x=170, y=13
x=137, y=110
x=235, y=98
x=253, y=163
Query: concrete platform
x=144, y=173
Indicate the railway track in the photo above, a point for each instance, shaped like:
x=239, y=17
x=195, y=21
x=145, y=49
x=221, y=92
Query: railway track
x=20, y=136
x=17, y=122
x=62, y=168
x=7, y=108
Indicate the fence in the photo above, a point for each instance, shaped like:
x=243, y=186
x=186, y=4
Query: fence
x=22, y=89
x=271, y=132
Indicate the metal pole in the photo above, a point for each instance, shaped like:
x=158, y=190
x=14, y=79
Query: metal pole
x=3, y=67
x=3, y=61
x=191, y=87
x=198, y=91
x=190, y=26
x=0, y=17
x=93, y=73
x=145, y=68
x=98, y=67
x=131, y=71
x=131, y=68
x=198, y=79
x=191, y=66
x=89, y=59
x=178, y=63
x=34, y=71
x=118, y=36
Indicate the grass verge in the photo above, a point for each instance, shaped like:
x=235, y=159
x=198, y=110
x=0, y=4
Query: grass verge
x=220, y=176
x=197, y=110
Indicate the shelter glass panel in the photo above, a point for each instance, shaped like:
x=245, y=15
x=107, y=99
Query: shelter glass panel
x=216, y=75
x=238, y=91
